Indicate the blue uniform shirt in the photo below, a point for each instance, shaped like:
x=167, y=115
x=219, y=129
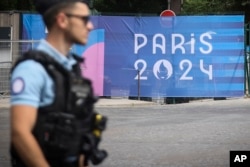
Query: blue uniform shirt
x=31, y=84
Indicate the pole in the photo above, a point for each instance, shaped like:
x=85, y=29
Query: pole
x=182, y=5
x=138, y=93
x=169, y=2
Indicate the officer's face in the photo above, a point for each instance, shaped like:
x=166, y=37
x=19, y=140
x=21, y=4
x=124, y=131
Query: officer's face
x=79, y=25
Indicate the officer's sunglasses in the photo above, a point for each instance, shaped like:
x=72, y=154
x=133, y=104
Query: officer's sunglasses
x=85, y=19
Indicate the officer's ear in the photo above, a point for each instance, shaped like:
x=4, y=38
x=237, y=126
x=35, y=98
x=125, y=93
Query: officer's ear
x=62, y=20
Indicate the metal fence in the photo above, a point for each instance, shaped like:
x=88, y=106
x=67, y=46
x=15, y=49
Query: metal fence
x=9, y=51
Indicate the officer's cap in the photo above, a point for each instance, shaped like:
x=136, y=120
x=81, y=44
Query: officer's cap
x=43, y=5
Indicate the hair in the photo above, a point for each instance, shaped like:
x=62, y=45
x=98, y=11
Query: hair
x=50, y=15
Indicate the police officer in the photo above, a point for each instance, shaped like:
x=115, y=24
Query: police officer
x=32, y=87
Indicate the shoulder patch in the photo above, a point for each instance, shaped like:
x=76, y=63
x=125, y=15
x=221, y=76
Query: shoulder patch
x=17, y=86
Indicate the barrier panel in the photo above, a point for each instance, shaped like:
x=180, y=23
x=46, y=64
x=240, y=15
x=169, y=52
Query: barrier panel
x=198, y=56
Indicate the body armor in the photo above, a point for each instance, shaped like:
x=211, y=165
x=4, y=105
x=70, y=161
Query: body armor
x=69, y=126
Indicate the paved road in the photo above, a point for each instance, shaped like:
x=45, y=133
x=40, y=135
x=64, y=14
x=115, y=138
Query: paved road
x=197, y=134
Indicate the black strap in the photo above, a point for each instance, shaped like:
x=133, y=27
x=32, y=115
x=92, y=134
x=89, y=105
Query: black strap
x=45, y=60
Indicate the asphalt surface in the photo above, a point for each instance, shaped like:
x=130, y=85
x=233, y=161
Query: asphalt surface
x=195, y=134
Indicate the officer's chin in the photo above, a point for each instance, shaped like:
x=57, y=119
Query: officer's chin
x=80, y=42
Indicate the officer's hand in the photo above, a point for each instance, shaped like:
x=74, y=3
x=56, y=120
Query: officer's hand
x=81, y=161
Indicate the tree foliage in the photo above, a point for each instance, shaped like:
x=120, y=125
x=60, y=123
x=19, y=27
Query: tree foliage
x=204, y=7
x=130, y=6
x=23, y=5
x=196, y=7
x=155, y=6
x=190, y=7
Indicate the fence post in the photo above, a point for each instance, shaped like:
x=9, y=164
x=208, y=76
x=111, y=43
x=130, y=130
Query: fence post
x=247, y=58
x=139, y=85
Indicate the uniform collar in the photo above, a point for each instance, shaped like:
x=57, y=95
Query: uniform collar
x=66, y=61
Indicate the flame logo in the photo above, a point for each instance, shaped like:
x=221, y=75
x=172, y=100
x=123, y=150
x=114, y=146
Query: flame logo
x=163, y=69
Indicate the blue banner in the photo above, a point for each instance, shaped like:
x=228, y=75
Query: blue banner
x=182, y=56
x=198, y=56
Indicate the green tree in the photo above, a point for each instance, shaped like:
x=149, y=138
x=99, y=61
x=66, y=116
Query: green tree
x=204, y=7
x=26, y=5
x=130, y=6
x=196, y=7
x=23, y=5
x=190, y=7
x=5, y=5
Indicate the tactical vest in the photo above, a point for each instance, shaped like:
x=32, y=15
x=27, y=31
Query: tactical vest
x=64, y=126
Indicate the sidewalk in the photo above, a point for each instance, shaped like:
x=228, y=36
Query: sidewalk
x=122, y=102
x=114, y=102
